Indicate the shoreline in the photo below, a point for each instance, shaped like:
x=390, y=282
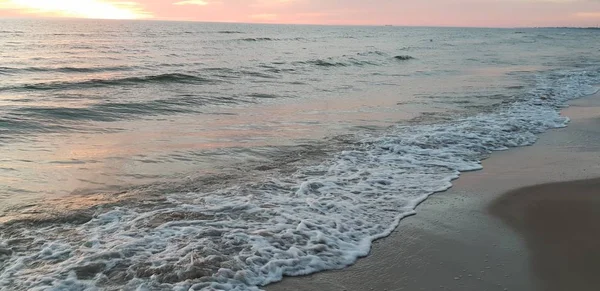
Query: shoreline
x=459, y=239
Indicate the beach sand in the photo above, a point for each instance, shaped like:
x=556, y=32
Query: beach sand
x=559, y=223
x=528, y=221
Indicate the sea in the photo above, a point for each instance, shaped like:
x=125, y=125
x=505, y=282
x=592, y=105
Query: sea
x=149, y=155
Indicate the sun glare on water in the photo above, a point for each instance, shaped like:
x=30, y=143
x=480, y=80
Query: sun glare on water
x=81, y=8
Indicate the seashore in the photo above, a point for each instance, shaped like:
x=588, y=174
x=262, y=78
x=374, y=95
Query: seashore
x=527, y=221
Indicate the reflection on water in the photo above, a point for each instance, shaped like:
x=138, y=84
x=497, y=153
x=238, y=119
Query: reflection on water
x=92, y=106
x=146, y=151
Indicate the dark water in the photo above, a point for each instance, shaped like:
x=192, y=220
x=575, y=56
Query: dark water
x=159, y=155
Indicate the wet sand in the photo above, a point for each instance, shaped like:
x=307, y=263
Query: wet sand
x=559, y=223
x=519, y=224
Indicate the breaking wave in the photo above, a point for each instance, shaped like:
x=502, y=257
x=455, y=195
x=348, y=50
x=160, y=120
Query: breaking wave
x=246, y=236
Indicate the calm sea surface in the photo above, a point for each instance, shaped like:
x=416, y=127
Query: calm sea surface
x=198, y=156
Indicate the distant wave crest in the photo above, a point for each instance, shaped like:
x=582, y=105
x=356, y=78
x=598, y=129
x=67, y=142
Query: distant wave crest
x=10, y=70
x=153, y=79
x=329, y=63
x=404, y=58
x=257, y=39
x=229, y=32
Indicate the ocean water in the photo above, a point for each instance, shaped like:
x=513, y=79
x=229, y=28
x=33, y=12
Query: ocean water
x=196, y=156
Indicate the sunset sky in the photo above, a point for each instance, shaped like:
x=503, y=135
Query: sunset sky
x=496, y=13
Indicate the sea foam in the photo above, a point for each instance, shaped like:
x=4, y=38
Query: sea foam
x=322, y=217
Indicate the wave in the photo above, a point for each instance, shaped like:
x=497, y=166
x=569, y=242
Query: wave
x=263, y=96
x=113, y=111
x=67, y=69
x=12, y=126
x=258, y=74
x=103, y=112
x=321, y=217
x=252, y=39
x=325, y=63
x=171, y=78
x=229, y=73
x=404, y=58
x=258, y=39
x=229, y=32
x=72, y=34
x=333, y=63
x=368, y=53
x=369, y=58
x=21, y=123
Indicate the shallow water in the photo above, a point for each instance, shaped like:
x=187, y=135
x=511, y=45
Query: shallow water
x=188, y=155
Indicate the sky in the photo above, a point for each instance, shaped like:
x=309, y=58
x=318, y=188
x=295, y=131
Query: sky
x=478, y=13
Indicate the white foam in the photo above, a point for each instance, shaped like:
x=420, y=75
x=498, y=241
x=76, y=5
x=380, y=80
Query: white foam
x=322, y=217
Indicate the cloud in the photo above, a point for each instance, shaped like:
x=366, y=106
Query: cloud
x=105, y=9
x=192, y=2
x=588, y=14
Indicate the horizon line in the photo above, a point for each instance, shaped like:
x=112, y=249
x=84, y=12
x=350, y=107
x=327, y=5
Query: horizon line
x=291, y=24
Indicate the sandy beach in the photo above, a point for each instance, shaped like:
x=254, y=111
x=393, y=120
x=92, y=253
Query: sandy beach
x=525, y=222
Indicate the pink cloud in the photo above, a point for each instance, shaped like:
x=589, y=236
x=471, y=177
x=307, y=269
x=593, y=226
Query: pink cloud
x=494, y=13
